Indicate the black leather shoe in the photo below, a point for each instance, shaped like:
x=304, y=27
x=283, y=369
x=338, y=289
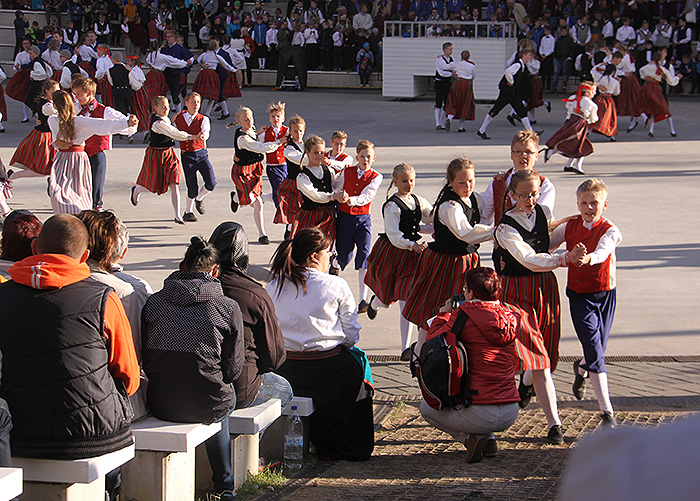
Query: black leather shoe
x=234, y=204
x=526, y=392
x=651, y=134
x=189, y=217
x=608, y=420
x=178, y=221
x=482, y=135
x=371, y=312
x=406, y=355
x=555, y=435
x=579, y=386
x=224, y=117
x=362, y=307
x=134, y=202
x=631, y=128
x=199, y=205
x=263, y=240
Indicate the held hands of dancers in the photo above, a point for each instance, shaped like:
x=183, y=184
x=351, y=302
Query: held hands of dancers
x=419, y=247
x=341, y=196
x=132, y=120
x=578, y=255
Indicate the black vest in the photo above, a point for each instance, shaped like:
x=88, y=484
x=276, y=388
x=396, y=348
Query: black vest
x=43, y=125
x=445, y=241
x=120, y=77
x=74, y=68
x=320, y=184
x=448, y=60
x=55, y=376
x=159, y=140
x=293, y=169
x=517, y=80
x=538, y=239
x=245, y=157
x=409, y=222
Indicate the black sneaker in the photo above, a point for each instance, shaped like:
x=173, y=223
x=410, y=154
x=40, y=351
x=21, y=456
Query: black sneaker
x=526, y=392
x=491, y=448
x=555, y=435
x=199, y=205
x=234, y=204
x=178, y=221
x=608, y=420
x=189, y=217
x=579, y=386
x=263, y=240
x=371, y=312
x=224, y=117
x=482, y=135
x=134, y=202
x=362, y=307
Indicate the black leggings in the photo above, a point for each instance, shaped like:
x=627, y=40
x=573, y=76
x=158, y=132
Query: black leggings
x=508, y=96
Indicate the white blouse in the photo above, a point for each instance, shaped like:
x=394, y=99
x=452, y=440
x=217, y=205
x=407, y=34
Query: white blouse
x=305, y=186
x=451, y=215
x=464, y=69
x=392, y=218
x=649, y=71
x=607, y=84
x=104, y=63
x=86, y=127
x=165, y=127
x=588, y=111
x=319, y=319
x=53, y=57
x=136, y=78
x=293, y=154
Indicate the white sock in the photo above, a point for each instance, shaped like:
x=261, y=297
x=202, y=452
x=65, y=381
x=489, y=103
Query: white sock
x=175, y=200
x=644, y=117
x=546, y=395
x=235, y=197
x=570, y=162
x=406, y=329
x=210, y=107
x=375, y=303
x=19, y=174
x=438, y=112
x=450, y=117
x=4, y=208
x=633, y=122
x=258, y=216
x=261, y=62
x=581, y=371
x=461, y=123
x=527, y=378
x=670, y=125
x=533, y=116
x=27, y=111
x=599, y=381
x=2, y=127
x=526, y=123
x=224, y=107
x=443, y=117
x=651, y=125
x=485, y=124
x=203, y=192
x=190, y=205
x=364, y=290
x=579, y=164
x=137, y=192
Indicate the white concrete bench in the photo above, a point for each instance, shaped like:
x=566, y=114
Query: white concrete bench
x=79, y=479
x=305, y=406
x=164, y=465
x=10, y=483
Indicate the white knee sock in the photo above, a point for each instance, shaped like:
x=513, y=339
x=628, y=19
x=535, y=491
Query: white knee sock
x=190, y=205
x=443, y=117
x=438, y=113
x=533, y=116
x=633, y=122
x=137, y=192
x=175, y=200
x=258, y=216
x=210, y=107
x=570, y=162
x=546, y=395
x=19, y=174
x=364, y=290
x=235, y=197
x=579, y=164
x=450, y=117
x=527, y=378
x=644, y=117
x=224, y=107
x=461, y=123
x=599, y=381
x=670, y=125
x=406, y=329
x=526, y=123
x=651, y=125
x=485, y=124
x=27, y=111
x=203, y=192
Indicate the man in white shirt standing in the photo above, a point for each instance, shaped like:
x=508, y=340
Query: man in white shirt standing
x=443, y=82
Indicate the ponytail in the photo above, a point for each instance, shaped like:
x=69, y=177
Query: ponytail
x=291, y=257
x=201, y=256
x=391, y=185
x=63, y=102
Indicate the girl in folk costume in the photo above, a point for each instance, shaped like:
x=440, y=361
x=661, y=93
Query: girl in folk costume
x=87, y=54
x=608, y=86
x=247, y=169
x=318, y=185
x=70, y=182
x=521, y=256
x=227, y=76
x=35, y=153
x=104, y=63
x=654, y=103
x=460, y=101
x=207, y=83
x=628, y=103
x=155, y=79
x=19, y=84
x=160, y=171
x=141, y=101
x=52, y=55
x=394, y=258
x=443, y=265
x=571, y=140
x=288, y=195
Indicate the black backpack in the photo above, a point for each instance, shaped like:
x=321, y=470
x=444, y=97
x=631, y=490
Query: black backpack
x=442, y=368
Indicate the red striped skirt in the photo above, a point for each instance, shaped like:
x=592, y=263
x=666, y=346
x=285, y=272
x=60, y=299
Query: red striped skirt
x=572, y=139
x=437, y=278
x=141, y=107
x=537, y=295
x=460, y=101
x=18, y=86
x=159, y=170
x=35, y=152
x=3, y=104
x=628, y=102
x=248, y=181
x=155, y=83
x=390, y=271
x=289, y=198
x=57, y=75
x=323, y=217
x=89, y=69
x=104, y=88
x=207, y=84
x=653, y=101
x=231, y=87
x=607, y=115
x=537, y=93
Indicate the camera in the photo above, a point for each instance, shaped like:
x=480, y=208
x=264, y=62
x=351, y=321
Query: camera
x=458, y=300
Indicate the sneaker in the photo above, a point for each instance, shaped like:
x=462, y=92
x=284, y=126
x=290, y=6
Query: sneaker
x=405, y=354
x=221, y=496
x=199, y=205
x=189, y=217
x=482, y=135
x=491, y=448
x=263, y=240
x=134, y=201
x=178, y=221
x=579, y=386
x=555, y=435
x=371, y=312
x=234, y=204
x=362, y=307
x=608, y=420
x=475, y=445
x=526, y=392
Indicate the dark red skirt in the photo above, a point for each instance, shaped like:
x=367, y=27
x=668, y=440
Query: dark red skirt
x=653, y=101
x=537, y=93
x=35, y=152
x=231, y=87
x=141, y=107
x=607, y=115
x=104, y=88
x=155, y=83
x=460, y=101
x=159, y=170
x=18, y=86
x=390, y=271
x=572, y=140
x=628, y=102
x=323, y=217
x=89, y=69
x=289, y=199
x=437, y=278
x=248, y=181
x=57, y=75
x=207, y=84
x=538, y=295
x=3, y=104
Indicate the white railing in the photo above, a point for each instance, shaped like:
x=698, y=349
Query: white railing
x=466, y=29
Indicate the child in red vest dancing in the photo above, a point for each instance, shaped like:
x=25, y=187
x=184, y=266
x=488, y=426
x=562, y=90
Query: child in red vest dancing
x=276, y=163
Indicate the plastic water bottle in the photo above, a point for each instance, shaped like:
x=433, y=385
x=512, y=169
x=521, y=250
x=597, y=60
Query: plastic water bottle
x=294, y=442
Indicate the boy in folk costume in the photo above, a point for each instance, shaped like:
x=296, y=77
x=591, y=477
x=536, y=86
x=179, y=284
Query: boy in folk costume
x=608, y=86
x=70, y=68
x=118, y=78
x=443, y=81
x=336, y=158
x=276, y=167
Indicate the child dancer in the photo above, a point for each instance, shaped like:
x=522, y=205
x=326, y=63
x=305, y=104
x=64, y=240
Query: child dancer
x=19, y=85
x=141, y=101
x=207, y=83
x=35, y=153
x=521, y=257
x=654, y=103
x=336, y=158
x=629, y=103
x=69, y=69
x=247, y=169
x=103, y=64
x=160, y=171
x=443, y=265
x=40, y=72
x=287, y=192
x=460, y=101
x=591, y=288
x=195, y=157
x=608, y=86
x=276, y=164
x=571, y=140
x=354, y=223
x=394, y=258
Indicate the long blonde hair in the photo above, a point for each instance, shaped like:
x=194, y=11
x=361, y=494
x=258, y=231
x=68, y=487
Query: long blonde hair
x=63, y=102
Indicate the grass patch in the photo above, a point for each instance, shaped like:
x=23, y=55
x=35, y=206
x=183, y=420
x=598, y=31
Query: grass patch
x=267, y=481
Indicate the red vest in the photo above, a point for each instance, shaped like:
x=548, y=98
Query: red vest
x=193, y=129
x=277, y=156
x=499, y=194
x=354, y=186
x=587, y=278
x=95, y=144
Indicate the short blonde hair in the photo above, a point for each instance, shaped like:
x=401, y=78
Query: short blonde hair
x=84, y=83
x=278, y=106
x=593, y=185
x=242, y=110
x=364, y=144
x=297, y=120
x=524, y=136
x=192, y=95
x=339, y=133
x=156, y=100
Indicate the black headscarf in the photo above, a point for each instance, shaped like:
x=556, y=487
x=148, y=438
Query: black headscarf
x=230, y=240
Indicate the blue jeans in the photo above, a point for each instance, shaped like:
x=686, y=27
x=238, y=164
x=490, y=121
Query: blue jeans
x=98, y=164
x=273, y=386
x=219, y=453
x=561, y=67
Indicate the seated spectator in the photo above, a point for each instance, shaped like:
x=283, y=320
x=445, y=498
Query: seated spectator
x=68, y=357
x=193, y=352
x=365, y=63
x=489, y=337
x=318, y=317
x=262, y=337
x=108, y=239
x=363, y=19
x=19, y=230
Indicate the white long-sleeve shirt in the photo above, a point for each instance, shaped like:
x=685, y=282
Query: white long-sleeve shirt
x=136, y=78
x=21, y=58
x=643, y=36
x=208, y=60
x=606, y=245
x=548, y=195
x=625, y=34
x=3, y=76
x=86, y=53
x=451, y=215
x=310, y=36
x=305, y=186
x=607, y=84
x=662, y=34
x=443, y=65
x=247, y=142
x=67, y=77
x=292, y=154
x=323, y=317
x=104, y=63
x=547, y=45
x=464, y=69
x=368, y=193
x=588, y=109
x=86, y=127
x=160, y=61
x=512, y=70
x=53, y=57
x=165, y=127
x=533, y=66
x=392, y=218
x=650, y=71
x=271, y=37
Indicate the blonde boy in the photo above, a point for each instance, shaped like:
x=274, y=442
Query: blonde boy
x=276, y=164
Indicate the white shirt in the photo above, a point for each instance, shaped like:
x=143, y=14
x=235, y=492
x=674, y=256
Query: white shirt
x=319, y=319
x=392, y=218
x=548, y=195
x=361, y=20
x=292, y=154
x=136, y=78
x=337, y=38
x=67, y=77
x=71, y=41
x=533, y=66
x=451, y=215
x=206, y=123
x=104, y=63
x=271, y=37
x=21, y=58
x=464, y=69
x=305, y=186
x=209, y=60
x=310, y=36
x=165, y=127
x=86, y=53
x=338, y=165
x=643, y=36
x=298, y=38
x=40, y=72
x=547, y=45
x=368, y=193
x=443, y=65
x=86, y=127
x=607, y=84
x=3, y=76
x=608, y=29
x=246, y=142
x=688, y=36
x=668, y=74
x=512, y=70
x=159, y=61
x=606, y=245
x=53, y=57
x=588, y=111
x=625, y=33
